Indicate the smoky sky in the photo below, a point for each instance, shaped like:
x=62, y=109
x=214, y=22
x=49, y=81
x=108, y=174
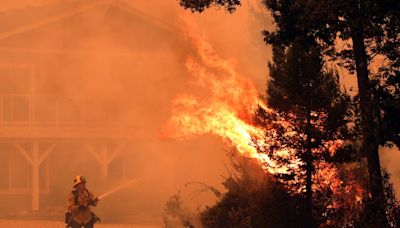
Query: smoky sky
x=144, y=81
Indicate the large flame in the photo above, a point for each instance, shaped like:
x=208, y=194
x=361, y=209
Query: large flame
x=223, y=103
x=225, y=108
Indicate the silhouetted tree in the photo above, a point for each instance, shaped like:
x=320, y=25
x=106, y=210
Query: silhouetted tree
x=392, y=207
x=363, y=22
x=371, y=26
x=309, y=96
x=200, y=5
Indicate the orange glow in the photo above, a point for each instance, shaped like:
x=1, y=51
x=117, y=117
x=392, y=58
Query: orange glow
x=223, y=103
x=226, y=111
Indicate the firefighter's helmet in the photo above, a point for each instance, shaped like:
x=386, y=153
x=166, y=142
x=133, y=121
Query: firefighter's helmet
x=78, y=180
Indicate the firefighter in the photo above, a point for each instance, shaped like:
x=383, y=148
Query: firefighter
x=80, y=201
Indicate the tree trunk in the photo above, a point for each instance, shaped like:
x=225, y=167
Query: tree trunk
x=369, y=144
x=309, y=170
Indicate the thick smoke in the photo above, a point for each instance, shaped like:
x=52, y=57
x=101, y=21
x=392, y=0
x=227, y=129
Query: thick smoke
x=137, y=67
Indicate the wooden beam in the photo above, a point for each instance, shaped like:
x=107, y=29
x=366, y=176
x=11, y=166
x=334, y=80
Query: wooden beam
x=35, y=158
x=104, y=163
x=21, y=191
x=47, y=169
x=103, y=156
x=116, y=152
x=23, y=152
x=9, y=172
x=35, y=176
x=47, y=152
x=93, y=152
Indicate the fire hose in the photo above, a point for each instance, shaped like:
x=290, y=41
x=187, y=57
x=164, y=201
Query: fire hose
x=112, y=191
x=68, y=214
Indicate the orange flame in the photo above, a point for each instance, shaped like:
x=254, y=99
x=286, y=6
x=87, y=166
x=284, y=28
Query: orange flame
x=228, y=110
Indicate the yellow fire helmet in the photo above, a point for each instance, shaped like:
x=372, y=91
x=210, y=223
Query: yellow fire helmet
x=78, y=180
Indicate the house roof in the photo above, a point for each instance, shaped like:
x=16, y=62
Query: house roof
x=50, y=26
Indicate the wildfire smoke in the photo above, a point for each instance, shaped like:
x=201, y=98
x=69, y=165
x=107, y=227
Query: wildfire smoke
x=226, y=111
x=226, y=107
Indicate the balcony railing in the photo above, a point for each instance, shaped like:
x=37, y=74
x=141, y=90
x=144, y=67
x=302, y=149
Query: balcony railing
x=26, y=110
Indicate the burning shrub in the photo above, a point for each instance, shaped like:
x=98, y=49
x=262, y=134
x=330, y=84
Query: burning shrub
x=175, y=215
x=254, y=199
x=392, y=207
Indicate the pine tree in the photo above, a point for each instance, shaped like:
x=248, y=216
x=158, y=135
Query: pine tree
x=365, y=23
x=372, y=27
x=300, y=85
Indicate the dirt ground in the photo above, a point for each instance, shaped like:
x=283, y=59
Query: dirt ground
x=52, y=224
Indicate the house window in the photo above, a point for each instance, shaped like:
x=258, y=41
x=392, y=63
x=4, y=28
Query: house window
x=15, y=93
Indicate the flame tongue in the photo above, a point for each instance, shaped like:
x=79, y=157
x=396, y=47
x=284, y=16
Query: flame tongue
x=228, y=109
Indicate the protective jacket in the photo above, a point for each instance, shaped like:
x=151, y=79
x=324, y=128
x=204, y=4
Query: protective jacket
x=79, y=203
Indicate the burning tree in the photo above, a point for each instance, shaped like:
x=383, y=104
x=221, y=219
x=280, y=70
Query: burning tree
x=371, y=30
x=298, y=137
x=308, y=96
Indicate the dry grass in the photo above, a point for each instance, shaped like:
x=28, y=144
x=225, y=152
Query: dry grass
x=52, y=224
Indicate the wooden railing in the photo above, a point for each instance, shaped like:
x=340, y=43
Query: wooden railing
x=26, y=110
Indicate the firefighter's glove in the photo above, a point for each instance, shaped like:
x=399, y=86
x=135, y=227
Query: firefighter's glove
x=94, y=201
